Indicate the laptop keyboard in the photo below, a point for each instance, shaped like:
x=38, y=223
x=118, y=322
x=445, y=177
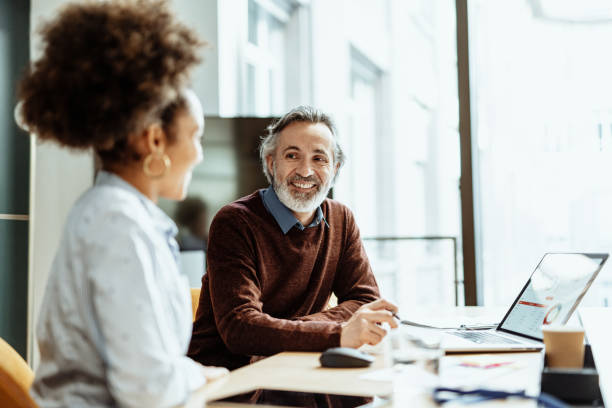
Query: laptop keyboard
x=484, y=337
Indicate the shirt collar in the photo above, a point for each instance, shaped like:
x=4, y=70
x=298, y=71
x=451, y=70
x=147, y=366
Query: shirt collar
x=161, y=221
x=283, y=215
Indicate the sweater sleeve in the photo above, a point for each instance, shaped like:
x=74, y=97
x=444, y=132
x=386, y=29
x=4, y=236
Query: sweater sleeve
x=236, y=298
x=354, y=284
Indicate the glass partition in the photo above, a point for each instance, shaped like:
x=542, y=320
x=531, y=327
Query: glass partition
x=416, y=271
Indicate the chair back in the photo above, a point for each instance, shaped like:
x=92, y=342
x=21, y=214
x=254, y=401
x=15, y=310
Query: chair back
x=195, y=299
x=15, y=379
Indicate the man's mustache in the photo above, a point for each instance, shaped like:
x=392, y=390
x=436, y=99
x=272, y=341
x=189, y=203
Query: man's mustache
x=309, y=179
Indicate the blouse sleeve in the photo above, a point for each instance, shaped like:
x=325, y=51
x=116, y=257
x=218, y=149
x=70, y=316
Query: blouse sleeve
x=145, y=361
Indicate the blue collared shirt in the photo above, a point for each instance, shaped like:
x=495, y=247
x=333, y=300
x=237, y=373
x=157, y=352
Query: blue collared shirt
x=283, y=215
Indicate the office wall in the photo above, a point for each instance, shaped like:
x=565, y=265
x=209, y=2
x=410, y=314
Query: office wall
x=14, y=178
x=202, y=16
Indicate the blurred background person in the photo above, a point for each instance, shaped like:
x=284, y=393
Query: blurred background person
x=192, y=218
x=115, y=321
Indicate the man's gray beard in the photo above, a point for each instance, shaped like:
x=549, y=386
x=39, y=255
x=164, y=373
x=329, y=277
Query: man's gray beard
x=300, y=204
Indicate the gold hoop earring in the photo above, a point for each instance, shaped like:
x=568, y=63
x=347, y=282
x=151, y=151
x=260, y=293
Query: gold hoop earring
x=147, y=164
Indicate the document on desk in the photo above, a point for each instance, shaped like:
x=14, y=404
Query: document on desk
x=413, y=374
x=478, y=370
x=466, y=371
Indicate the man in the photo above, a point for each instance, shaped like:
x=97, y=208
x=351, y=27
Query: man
x=276, y=256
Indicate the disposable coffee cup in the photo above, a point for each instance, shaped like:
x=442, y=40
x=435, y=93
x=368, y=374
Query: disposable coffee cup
x=564, y=346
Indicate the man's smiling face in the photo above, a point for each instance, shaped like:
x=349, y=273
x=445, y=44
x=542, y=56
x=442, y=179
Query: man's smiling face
x=302, y=166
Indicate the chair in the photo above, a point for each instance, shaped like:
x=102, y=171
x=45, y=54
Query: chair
x=15, y=379
x=195, y=299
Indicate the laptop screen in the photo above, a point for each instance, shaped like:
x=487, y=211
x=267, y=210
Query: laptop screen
x=552, y=293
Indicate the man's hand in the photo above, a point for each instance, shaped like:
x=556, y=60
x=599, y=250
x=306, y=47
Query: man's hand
x=364, y=326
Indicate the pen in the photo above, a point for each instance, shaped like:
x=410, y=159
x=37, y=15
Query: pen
x=427, y=326
x=415, y=324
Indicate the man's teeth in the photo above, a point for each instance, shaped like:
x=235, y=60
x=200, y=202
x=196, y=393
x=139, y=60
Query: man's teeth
x=303, y=185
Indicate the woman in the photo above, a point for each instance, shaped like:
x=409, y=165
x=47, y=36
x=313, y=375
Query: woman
x=115, y=321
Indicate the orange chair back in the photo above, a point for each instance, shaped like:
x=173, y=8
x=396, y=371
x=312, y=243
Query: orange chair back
x=15, y=379
x=195, y=300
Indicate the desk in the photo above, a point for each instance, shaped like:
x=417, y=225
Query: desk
x=302, y=372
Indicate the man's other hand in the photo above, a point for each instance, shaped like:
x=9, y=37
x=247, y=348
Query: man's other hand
x=364, y=326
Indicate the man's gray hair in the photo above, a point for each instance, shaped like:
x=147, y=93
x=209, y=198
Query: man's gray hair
x=307, y=114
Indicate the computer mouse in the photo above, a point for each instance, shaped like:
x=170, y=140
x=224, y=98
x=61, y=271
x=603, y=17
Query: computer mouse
x=345, y=357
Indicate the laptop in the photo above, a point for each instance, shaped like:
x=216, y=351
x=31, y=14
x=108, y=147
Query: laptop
x=550, y=296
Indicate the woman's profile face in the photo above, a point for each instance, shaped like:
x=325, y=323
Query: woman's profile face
x=185, y=152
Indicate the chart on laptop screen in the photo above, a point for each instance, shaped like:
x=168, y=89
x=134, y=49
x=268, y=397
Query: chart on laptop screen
x=551, y=294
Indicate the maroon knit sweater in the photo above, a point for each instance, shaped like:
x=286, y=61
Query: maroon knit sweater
x=265, y=292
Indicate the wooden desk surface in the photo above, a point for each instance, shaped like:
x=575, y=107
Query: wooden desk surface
x=302, y=372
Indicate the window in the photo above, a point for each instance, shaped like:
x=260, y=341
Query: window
x=542, y=119
x=360, y=191
x=266, y=51
x=400, y=134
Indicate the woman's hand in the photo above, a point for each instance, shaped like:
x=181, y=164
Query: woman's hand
x=214, y=373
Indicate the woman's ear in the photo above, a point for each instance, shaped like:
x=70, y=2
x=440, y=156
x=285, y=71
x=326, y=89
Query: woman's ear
x=155, y=138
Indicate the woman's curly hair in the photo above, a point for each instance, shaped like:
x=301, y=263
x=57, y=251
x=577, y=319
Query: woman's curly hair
x=108, y=69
